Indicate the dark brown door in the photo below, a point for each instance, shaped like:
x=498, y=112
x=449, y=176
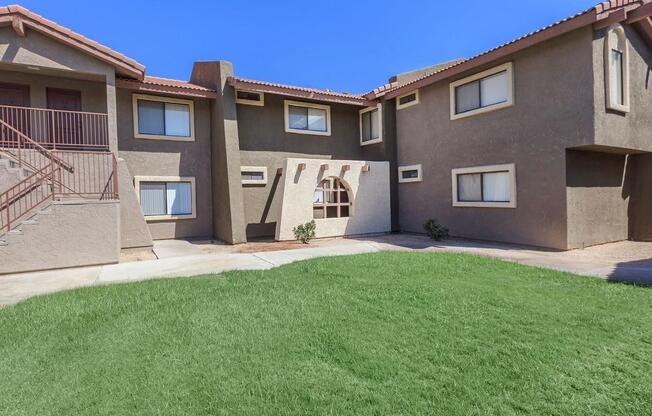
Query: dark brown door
x=65, y=127
x=14, y=95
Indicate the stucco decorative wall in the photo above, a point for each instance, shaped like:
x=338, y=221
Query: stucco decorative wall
x=69, y=234
x=369, y=192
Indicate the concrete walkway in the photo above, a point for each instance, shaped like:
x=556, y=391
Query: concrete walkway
x=624, y=261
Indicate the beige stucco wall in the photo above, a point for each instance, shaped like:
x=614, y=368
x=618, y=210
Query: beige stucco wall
x=70, y=235
x=369, y=192
x=145, y=157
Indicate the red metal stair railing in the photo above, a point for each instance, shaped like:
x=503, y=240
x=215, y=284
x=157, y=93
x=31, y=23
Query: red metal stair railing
x=53, y=174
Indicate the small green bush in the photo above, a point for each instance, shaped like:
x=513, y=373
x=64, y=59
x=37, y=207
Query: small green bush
x=435, y=230
x=305, y=232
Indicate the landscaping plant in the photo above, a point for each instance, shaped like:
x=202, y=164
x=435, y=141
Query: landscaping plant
x=305, y=232
x=435, y=230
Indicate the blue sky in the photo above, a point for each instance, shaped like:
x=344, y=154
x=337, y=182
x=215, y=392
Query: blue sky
x=352, y=45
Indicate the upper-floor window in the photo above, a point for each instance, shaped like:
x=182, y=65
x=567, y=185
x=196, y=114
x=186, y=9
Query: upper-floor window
x=163, y=118
x=250, y=98
x=253, y=175
x=407, y=100
x=485, y=186
x=616, y=57
x=307, y=118
x=487, y=91
x=370, y=125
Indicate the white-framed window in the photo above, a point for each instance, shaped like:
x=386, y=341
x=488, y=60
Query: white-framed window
x=411, y=173
x=166, y=197
x=307, y=118
x=371, y=125
x=331, y=199
x=616, y=58
x=250, y=98
x=485, y=186
x=483, y=92
x=407, y=100
x=163, y=118
x=253, y=175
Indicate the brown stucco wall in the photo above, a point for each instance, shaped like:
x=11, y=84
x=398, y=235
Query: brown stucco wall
x=598, y=188
x=553, y=87
x=145, y=157
x=640, y=215
x=228, y=221
x=628, y=131
x=264, y=142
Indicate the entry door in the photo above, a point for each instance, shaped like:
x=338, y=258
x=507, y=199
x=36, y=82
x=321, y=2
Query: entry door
x=14, y=95
x=65, y=128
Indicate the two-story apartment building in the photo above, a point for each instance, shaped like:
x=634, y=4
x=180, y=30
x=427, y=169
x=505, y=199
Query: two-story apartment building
x=544, y=141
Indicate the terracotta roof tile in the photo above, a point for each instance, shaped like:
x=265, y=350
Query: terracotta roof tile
x=167, y=82
x=314, y=93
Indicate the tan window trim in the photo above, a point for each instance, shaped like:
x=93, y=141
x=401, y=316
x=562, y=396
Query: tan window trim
x=510, y=168
x=259, y=103
x=411, y=103
x=379, y=139
x=261, y=169
x=327, y=108
x=508, y=68
x=193, y=190
x=618, y=32
x=402, y=169
x=189, y=103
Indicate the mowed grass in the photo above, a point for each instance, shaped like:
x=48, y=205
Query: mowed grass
x=378, y=334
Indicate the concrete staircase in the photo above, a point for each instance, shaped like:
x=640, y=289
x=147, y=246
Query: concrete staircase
x=65, y=233
x=10, y=173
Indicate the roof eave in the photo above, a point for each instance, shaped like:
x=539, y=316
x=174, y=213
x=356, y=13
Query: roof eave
x=575, y=23
x=296, y=93
x=20, y=18
x=163, y=89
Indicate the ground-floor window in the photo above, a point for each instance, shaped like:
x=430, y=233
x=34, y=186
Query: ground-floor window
x=485, y=186
x=166, y=197
x=331, y=200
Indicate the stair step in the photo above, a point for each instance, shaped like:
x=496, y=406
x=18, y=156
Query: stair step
x=30, y=222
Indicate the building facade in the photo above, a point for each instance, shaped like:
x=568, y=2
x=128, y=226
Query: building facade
x=543, y=141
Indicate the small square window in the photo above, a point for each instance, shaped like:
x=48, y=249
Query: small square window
x=250, y=98
x=407, y=100
x=253, y=175
x=407, y=174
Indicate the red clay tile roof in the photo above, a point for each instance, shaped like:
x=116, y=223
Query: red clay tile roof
x=299, y=92
x=166, y=85
x=598, y=12
x=19, y=16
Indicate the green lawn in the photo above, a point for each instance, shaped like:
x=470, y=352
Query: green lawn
x=378, y=334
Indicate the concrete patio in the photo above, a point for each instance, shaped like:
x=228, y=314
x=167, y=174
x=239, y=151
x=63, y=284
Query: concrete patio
x=623, y=261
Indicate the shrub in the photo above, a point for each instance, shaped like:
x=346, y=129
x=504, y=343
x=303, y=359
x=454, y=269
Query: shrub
x=435, y=230
x=305, y=232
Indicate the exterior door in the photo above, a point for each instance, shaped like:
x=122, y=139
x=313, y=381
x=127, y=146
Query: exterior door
x=65, y=126
x=12, y=96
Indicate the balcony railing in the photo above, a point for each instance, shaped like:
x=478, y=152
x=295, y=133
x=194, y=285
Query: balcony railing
x=59, y=129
